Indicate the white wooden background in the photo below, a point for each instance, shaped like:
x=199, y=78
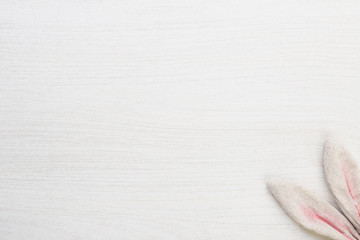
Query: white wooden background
x=162, y=119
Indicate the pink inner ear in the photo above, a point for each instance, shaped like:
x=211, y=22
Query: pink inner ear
x=313, y=216
x=349, y=187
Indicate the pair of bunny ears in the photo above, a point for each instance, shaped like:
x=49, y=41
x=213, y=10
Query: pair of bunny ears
x=314, y=213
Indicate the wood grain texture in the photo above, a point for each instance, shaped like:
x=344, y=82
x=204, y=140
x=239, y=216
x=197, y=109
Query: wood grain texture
x=163, y=119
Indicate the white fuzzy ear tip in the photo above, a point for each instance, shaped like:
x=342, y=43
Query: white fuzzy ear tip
x=271, y=184
x=332, y=142
x=333, y=146
x=274, y=184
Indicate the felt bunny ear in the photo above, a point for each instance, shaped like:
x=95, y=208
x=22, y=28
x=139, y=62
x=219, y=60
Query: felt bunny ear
x=311, y=212
x=343, y=177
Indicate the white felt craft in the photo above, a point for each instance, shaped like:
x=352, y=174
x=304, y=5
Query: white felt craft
x=311, y=212
x=315, y=214
x=342, y=175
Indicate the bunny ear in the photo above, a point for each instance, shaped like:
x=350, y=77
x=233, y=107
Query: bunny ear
x=343, y=177
x=311, y=212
